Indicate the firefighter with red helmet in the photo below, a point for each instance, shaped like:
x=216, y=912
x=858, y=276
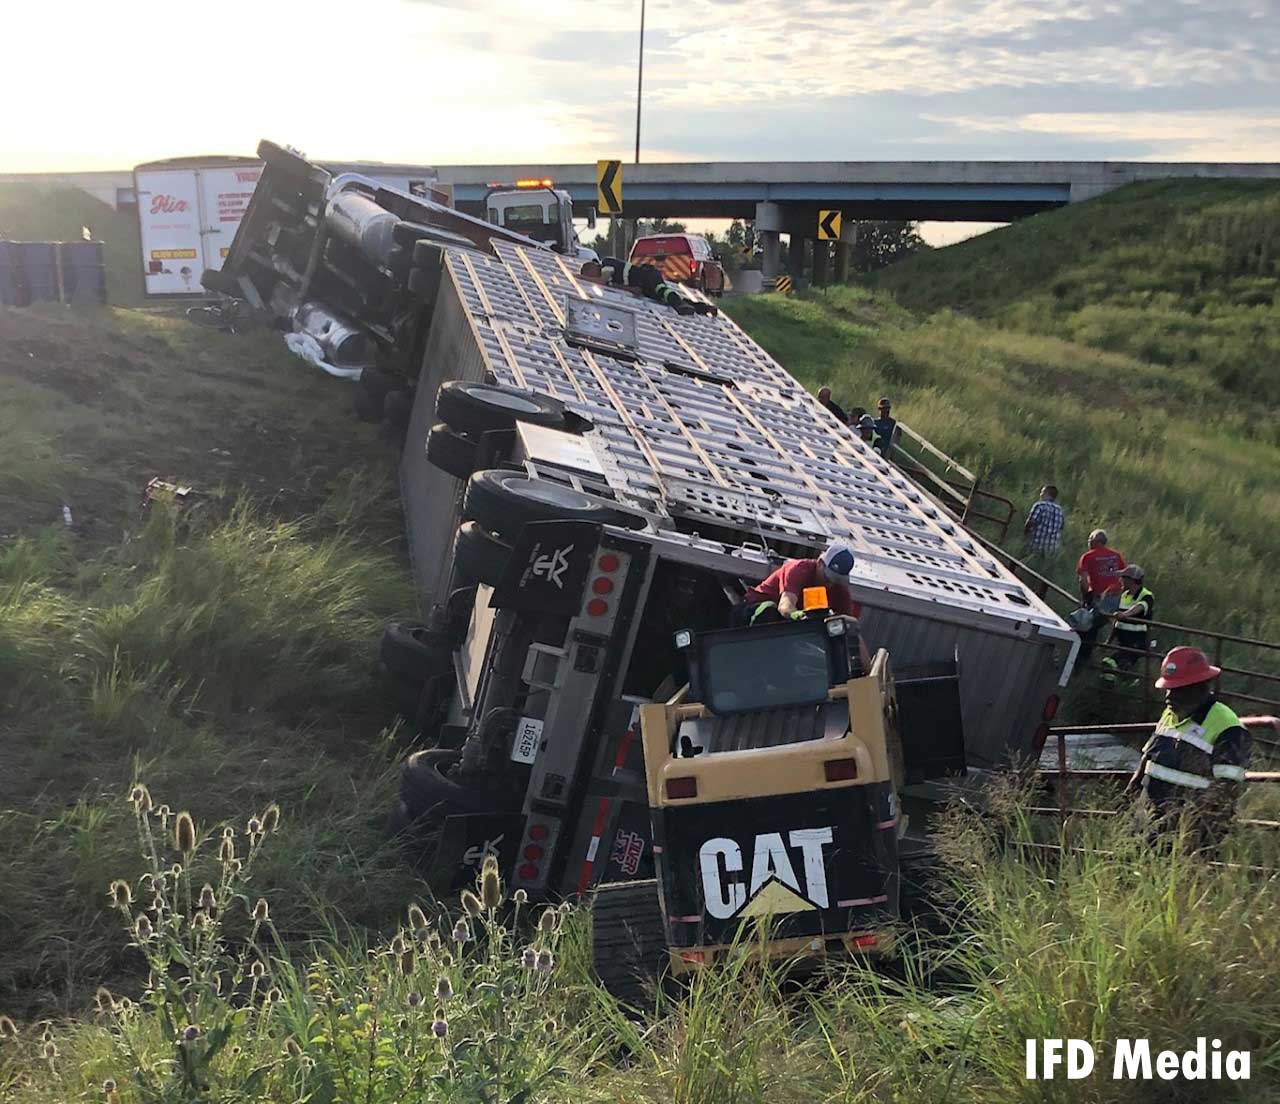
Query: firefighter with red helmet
x=1196, y=758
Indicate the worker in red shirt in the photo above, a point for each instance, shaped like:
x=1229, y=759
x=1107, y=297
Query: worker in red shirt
x=1100, y=586
x=1099, y=573
x=781, y=595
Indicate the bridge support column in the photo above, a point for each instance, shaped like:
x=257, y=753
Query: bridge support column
x=843, y=252
x=768, y=223
x=795, y=256
x=771, y=247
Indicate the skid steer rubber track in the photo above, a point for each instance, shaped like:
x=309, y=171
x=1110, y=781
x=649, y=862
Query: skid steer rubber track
x=629, y=941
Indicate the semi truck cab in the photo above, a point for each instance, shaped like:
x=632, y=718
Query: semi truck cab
x=538, y=210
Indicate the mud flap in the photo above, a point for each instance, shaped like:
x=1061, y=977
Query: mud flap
x=464, y=843
x=930, y=721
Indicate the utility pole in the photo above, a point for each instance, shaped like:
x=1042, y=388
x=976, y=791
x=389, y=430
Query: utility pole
x=639, y=94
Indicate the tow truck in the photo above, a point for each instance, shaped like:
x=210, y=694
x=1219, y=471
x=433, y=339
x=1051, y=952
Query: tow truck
x=586, y=474
x=539, y=210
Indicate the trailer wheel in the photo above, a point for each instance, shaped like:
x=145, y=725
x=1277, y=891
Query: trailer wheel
x=476, y=408
x=479, y=554
x=629, y=940
x=505, y=501
x=415, y=651
x=397, y=406
x=425, y=785
x=450, y=451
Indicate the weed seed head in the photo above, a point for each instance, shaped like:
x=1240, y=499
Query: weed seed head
x=103, y=1001
x=444, y=989
x=261, y=914
x=175, y=871
x=108, y=1086
x=8, y=1029
x=207, y=899
x=548, y=921
x=274, y=995
x=226, y=850
x=461, y=932
x=142, y=927
x=49, y=1051
x=417, y=921
x=190, y=1033
x=446, y=959
x=490, y=889
x=254, y=826
x=439, y=1025
x=141, y=798
x=199, y=920
x=546, y=962
x=164, y=813
x=565, y=908
x=184, y=833
x=529, y=960
x=399, y=944
x=520, y=897
x=471, y=903
x=257, y=969
x=406, y=962
x=121, y=894
x=271, y=819
x=414, y=999
x=291, y=1047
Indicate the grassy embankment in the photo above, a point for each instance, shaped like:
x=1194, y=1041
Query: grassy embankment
x=225, y=654
x=226, y=661
x=1126, y=349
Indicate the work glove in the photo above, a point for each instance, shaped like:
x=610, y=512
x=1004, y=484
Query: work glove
x=796, y=615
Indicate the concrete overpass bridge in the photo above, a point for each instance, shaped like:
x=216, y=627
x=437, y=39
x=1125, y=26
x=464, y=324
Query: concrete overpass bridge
x=784, y=197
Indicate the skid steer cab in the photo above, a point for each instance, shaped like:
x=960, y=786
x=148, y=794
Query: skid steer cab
x=772, y=801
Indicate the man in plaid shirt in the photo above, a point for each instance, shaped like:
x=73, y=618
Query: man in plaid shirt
x=1043, y=530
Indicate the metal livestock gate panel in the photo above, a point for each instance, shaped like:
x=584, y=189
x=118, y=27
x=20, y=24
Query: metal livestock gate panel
x=704, y=424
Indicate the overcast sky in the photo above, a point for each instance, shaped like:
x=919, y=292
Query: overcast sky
x=108, y=83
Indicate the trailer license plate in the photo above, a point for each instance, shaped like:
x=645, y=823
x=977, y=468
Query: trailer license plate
x=524, y=748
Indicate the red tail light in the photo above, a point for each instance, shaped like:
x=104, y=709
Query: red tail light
x=1038, y=740
x=840, y=770
x=597, y=607
x=1050, y=708
x=863, y=942
x=528, y=872
x=682, y=787
x=693, y=268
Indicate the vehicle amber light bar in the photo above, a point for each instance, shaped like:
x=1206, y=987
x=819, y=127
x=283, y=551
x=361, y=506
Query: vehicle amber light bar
x=531, y=183
x=815, y=598
x=686, y=786
x=840, y=770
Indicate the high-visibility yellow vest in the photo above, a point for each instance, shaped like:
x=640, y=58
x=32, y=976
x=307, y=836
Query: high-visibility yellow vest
x=1165, y=748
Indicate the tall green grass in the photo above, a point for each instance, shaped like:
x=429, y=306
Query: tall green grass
x=227, y=656
x=1086, y=931
x=1175, y=273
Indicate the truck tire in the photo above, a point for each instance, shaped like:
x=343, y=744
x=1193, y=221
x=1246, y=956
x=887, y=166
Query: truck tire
x=479, y=554
x=629, y=940
x=450, y=451
x=505, y=501
x=425, y=786
x=397, y=407
x=476, y=408
x=415, y=652
x=364, y=404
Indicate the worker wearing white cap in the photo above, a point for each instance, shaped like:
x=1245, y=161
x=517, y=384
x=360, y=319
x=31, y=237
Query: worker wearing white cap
x=782, y=593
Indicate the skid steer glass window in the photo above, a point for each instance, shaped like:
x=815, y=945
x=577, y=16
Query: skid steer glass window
x=765, y=673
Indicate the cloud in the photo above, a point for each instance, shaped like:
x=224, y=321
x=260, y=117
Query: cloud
x=1173, y=136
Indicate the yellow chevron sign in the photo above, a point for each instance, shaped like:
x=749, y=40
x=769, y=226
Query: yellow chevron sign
x=828, y=226
x=609, y=187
